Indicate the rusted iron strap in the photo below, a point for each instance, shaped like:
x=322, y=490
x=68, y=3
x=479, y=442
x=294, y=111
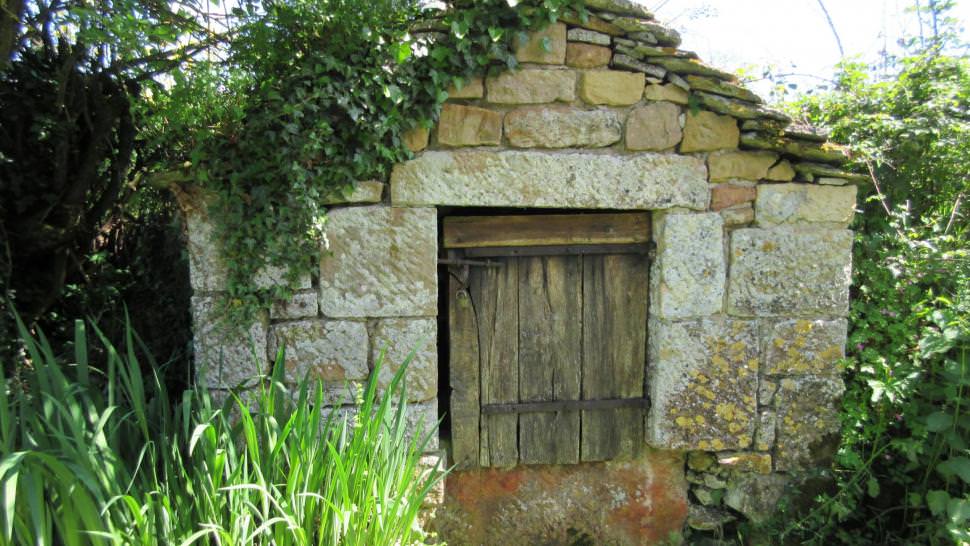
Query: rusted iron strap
x=560, y=250
x=565, y=405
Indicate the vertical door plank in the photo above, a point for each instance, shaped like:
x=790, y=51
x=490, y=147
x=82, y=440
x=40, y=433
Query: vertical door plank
x=614, y=352
x=464, y=375
x=495, y=293
x=550, y=336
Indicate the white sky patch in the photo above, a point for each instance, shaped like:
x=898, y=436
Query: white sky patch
x=790, y=35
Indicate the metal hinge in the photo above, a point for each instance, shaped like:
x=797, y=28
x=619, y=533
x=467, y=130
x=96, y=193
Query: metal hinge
x=471, y=263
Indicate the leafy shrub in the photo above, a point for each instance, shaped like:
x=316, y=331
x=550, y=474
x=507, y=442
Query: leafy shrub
x=87, y=458
x=903, y=469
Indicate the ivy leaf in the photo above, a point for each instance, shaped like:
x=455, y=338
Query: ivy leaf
x=955, y=466
x=546, y=44
x=496, y=33
x=939, y=421
x=872, y=487
x=936, y=501
x=958, y=510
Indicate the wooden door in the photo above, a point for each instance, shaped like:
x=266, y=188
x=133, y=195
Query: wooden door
x=547, y=337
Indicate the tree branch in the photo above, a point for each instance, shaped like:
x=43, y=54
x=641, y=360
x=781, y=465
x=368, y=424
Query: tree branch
x=838, y=40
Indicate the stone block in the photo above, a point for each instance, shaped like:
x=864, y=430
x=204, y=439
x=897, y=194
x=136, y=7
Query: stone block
x=587, y=36
x=551, y=180
x=805, y=204
x=365, y=191
x=546, y=46
x=764, y=436
x=782, y=172
x=727, y=165
x=622, y=7
x=580, y=55
x=790, y=272
x=759, y=463
x=741, y=215
x=708, y=518
x=592, y=23
x=398, y=339
x=474, y=88
x=730, y=195
x=301, y=305
x=799, y=347
x=628, y=503
x=665, y=92
x=332, y=350
x=703, y=378
x=207, y=271
x=562, y=127
x=416, y=139
x=461, y=125
x=226, y=358
x=611, y=87
x=531, y=86
x=421, y=422
x=654, y=127
x=706, y=132
x=756, y=496
x=689, y=272
x=382, y=263
x=808, y=422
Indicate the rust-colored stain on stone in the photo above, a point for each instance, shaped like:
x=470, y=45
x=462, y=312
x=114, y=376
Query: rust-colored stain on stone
x=617, y=503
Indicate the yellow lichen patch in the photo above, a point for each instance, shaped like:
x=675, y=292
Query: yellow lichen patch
x=803, y=326
x=699, y=419
x=717, y=444
x=683, y=422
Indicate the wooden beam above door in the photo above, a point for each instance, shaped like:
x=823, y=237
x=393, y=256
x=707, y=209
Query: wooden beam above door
x=546, y=230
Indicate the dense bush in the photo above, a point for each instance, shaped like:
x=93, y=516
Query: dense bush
x=79, y=228
x=903, y=470
x=92, y=457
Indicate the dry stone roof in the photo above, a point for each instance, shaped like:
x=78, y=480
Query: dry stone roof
x=640, y=43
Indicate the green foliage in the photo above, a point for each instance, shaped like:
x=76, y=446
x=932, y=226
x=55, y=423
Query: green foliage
x=71, y=160
x=89, y=457
x=903, y=469
x=321, y=95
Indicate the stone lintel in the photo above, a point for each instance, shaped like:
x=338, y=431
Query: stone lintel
x=551, y=180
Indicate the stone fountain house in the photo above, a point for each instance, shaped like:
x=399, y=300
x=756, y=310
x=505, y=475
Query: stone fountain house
x=632, y=279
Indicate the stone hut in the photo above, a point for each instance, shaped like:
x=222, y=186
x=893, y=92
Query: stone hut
x=631, y=278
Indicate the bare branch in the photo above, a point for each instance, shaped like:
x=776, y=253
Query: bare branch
x=838, y=39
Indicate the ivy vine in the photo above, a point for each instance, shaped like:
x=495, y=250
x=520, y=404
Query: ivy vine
x=313, y=96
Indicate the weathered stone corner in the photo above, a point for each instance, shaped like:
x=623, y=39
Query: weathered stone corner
x=689, y=272
x=703, y=378
x=382, y=262
x=790, y=271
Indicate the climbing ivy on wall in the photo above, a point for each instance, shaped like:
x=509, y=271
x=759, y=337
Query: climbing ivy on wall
x=313, y=96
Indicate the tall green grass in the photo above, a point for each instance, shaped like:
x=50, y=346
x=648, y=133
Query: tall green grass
x=106, y=457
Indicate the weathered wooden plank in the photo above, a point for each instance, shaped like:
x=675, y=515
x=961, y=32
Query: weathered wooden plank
x=614, y=352
x=550, y=334
x=554, y=250
x=464, y=374
x=494, y=292
x=546, y=230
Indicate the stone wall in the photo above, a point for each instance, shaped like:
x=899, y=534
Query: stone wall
x=748, y=290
